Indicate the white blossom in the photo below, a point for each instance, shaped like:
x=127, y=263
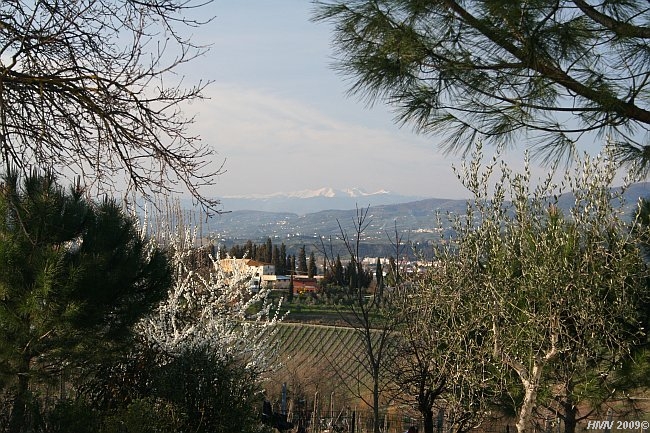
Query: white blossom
x=209, y=307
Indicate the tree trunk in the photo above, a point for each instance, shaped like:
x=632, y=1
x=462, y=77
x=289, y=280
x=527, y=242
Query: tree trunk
x=531, y=386
x=570, y=409
x=427, y=416
x=19, y=419
x=375, y=404
x=426, y=398
x=570, y=415
x=526, y=410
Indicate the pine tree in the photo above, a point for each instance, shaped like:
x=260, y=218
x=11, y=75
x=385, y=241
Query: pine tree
x=502, y=70
x=74, y=277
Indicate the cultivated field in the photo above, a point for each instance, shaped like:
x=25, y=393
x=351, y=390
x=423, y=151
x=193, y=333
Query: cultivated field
x=322, y=359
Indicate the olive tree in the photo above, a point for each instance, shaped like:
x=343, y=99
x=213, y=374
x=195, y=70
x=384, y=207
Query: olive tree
x=552, y=285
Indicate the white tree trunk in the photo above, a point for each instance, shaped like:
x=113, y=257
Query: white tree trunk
x=531, y=386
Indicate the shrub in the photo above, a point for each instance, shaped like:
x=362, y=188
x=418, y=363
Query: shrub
x=146, y=415
x=72, y=416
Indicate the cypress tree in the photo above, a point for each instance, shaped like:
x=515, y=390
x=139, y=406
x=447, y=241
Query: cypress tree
x=312, y=270
x=283, y=259
x=338, y=271
x=249, y=249
x=275, y=260
x=268, y=251
x=379, y=275
x=302, y=261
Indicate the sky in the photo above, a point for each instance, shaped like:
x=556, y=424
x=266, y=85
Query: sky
x=280, y=118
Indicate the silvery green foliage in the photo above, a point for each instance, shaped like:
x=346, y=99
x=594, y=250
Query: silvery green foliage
x=210, y=308
x=536, y=292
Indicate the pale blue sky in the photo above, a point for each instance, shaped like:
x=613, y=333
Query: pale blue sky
x=279, y=115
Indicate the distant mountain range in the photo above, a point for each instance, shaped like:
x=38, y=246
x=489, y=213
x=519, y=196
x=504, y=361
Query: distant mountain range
x=310, y=193
x=319, y=215
x=414, y=221
x=413, y=216
x=309, y=201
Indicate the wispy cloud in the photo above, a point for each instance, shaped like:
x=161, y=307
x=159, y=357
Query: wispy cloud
x=274, y=143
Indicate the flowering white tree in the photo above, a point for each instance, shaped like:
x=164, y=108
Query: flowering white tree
x=209, y=308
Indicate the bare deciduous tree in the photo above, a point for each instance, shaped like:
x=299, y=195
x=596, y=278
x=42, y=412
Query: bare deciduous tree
x=438, y=366
x=90, y=88
x=373, y=323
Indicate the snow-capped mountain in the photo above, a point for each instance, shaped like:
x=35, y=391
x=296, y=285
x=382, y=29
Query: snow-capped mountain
x=311, y=193
x=356, y=192
x=306, y=201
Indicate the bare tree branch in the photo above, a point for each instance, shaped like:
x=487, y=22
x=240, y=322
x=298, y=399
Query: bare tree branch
x=91, y=88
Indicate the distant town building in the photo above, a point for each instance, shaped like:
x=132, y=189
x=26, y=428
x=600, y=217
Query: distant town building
x=257, y=270
x=305, y=285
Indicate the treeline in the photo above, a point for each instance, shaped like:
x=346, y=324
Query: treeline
x=267, y=252
x=335, y=273
x=351, y=275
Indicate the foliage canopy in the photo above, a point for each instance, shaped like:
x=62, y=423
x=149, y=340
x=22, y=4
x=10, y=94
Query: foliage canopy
x=75, y=276
x=554, y=301
x=498, y=69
